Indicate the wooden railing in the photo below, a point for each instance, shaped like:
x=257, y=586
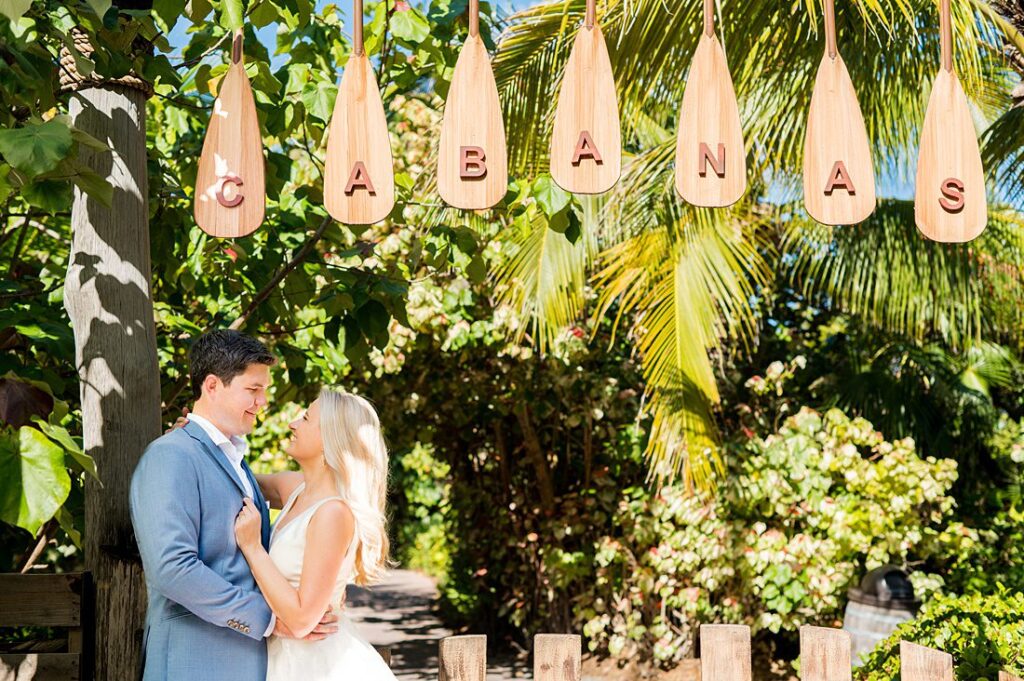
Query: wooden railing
x=65, y=602
x=724, y=656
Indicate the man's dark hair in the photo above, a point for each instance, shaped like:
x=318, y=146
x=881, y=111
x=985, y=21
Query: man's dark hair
x=225, y=354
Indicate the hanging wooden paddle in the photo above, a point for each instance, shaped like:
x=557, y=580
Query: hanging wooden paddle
x=586, y=144
x=839, y=178
x=359, y=180
x=949, y=203
x=711, y=164
x=472, y=169
x=230, y=191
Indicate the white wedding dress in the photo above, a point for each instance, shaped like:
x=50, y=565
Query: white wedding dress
x=344, y=656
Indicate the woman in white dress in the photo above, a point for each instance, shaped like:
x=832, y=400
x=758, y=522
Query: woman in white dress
x=335, y=506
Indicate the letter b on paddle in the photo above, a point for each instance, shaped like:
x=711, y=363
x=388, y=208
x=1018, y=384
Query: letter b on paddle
x=472, y=163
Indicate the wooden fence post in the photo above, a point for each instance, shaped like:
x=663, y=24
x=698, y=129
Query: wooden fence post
x=825, y=654
x=462, y=658
x=725, y=652
x=918, y=663
x=557, y=657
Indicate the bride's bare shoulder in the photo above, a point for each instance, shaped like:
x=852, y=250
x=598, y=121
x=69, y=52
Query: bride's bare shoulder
x=332, y=516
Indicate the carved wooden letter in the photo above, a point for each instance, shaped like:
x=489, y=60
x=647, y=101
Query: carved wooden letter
x=471, y=163
x=585, y=148
x=839, y=179
x=223, y=200
x=717, y=164
x=952, y=200
x=359, y=178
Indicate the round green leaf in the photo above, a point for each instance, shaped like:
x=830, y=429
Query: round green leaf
x=33, y=480
x=36, y=148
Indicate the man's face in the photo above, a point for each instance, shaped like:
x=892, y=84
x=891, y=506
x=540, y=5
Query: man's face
x=237, y=403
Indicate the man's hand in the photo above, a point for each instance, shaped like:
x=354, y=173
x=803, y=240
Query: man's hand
x=321, y=631
x=328, y=625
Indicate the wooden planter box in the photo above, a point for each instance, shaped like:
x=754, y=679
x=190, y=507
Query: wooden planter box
x=62, y=601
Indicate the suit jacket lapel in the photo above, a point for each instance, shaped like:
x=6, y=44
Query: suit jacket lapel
x=221, y=459
x=261, y=503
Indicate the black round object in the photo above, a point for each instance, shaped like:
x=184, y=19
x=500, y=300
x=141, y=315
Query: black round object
x=886, y=586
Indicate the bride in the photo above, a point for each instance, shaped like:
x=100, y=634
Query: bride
x=335, y=506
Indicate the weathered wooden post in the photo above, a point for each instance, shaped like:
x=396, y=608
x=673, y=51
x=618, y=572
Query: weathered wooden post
x=107, y=296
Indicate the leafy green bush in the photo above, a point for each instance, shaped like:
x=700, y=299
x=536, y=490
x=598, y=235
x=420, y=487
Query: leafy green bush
x=983, y=634
x=804, y=512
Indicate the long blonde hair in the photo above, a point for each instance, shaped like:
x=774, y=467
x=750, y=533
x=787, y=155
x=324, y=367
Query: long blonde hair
x=355, y=452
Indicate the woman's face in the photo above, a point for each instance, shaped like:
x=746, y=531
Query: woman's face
x=306, y=443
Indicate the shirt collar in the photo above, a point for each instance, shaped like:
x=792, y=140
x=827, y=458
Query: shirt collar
x=237, y=446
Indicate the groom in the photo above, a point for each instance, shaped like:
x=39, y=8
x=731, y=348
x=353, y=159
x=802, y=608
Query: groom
x=206, y=620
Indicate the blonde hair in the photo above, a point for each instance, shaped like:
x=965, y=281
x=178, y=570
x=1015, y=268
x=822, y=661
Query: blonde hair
x=355, y=452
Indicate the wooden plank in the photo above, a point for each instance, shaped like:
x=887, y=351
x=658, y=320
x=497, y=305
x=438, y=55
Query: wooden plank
x=725, y=652
x=41, y=600
x=557, y=657
x=825, y=654
x=1006, y=676
x=462, y=658
x=918, y=663
x=385, y=653
x=45, y=667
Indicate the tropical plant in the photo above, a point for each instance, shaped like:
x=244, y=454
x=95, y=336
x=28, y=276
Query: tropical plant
x=694, y=277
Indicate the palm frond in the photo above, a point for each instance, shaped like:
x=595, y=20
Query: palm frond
x=884, y=271
x=544, y=278
x=690, y=290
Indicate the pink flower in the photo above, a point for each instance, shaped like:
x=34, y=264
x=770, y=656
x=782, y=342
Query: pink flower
x=401, y=6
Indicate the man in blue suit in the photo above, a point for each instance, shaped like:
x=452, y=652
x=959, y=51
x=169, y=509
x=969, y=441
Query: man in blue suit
x=206, y=619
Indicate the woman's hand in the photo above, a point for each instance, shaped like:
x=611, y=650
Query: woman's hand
x=247, y=527
x=180, y=423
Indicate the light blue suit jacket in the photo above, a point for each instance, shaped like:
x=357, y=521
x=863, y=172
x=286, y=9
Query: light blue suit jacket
x=206, y=618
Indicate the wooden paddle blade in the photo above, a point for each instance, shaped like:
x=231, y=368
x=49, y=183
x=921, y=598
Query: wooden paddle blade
x=230, y=189
x=711, y=163
x=949, y=203
x=586, y=143
x=472, y=168
x=359, y=179
x=839, y=178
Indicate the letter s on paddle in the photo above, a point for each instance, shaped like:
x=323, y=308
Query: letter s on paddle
x=952, y=200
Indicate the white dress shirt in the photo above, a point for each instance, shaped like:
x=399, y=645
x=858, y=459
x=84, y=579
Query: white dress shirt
x=235, y=448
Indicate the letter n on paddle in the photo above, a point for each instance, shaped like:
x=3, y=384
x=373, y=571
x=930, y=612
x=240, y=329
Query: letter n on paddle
x=717, y=162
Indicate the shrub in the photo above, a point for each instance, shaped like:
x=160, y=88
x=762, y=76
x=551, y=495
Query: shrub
x=801, y=514
x=983, y=634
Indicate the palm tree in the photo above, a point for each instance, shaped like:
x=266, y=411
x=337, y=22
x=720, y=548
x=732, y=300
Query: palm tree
x=685, y=280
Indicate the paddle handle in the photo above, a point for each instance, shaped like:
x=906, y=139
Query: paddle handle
x=236, y=46
x=591, y=17
x=474, y=18
x=709, y=18
x=830, y=28
x=357, y=27
x=946, y=35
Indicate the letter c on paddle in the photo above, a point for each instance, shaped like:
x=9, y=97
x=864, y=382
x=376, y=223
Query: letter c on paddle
x=230, y=178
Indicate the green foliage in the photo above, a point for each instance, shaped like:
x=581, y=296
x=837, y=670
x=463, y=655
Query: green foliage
x=805, y=512
x=423, y=492
x=984, y=634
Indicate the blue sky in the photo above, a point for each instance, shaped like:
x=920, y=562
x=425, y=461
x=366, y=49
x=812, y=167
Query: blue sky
x=178, y=37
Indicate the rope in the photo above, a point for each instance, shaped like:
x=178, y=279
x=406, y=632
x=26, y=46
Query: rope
x=71, y=79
